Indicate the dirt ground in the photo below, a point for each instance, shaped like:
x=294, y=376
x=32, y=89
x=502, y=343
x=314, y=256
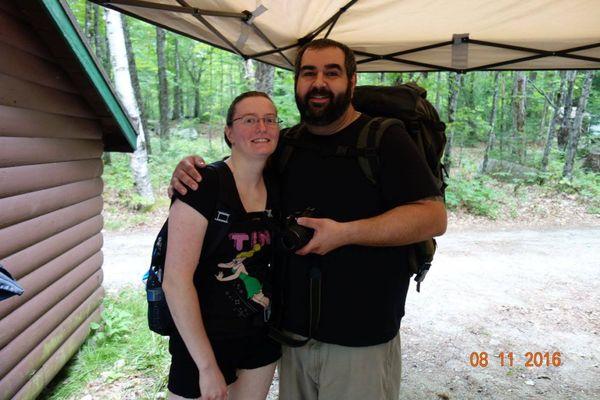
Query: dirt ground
x=494, y=287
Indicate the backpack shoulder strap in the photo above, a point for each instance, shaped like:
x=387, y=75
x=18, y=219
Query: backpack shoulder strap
x=224, y=214
x=368, y=143
x=289, y=137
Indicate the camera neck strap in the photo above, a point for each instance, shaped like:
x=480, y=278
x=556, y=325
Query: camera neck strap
x=314, y=308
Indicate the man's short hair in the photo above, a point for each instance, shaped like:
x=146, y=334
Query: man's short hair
x=319, y=44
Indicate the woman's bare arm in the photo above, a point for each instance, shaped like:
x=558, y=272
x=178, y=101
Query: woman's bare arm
x=187, y=228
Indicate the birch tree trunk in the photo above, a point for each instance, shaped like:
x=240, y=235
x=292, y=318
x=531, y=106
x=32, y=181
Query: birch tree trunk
x=563, y=133
x=575, y=133
x=454, y=82
x=264, y=75
x=519, y=96
x=560, y=95
x=492, y=134
x=163, y=90
x=118, y=57
x=135, y=82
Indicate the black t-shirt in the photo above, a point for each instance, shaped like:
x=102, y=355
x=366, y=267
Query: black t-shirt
x=234, y=281
x=363, y=288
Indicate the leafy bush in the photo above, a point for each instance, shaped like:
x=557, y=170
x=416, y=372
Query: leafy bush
x=475, y=194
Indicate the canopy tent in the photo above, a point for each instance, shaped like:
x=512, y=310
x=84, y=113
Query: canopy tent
x=392, y=35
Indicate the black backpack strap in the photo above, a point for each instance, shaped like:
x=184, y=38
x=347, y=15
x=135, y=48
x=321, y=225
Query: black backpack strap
x=289, y=138
x=367, y=146
x=224, y=214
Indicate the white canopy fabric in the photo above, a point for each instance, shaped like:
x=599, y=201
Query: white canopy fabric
x=392, y=35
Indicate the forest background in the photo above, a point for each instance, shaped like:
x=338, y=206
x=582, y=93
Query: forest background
x=515, y=159
x=512, y=149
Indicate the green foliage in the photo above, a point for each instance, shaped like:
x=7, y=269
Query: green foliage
x=475, y=194
x=585, y=185
x=119, y=348
x=214, y=77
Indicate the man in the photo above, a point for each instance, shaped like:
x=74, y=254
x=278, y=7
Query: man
x=359, y=233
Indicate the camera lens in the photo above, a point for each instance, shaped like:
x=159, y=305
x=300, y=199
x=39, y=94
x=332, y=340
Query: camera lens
x=296, y=237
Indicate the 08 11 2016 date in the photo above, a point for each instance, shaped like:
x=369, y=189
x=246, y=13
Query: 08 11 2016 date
x=532, y=359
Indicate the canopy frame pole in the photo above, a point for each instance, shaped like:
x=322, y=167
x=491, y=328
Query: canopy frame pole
x=307, y=38
x=215, y=31
x=544, y=53
x=330, y=21
x=276, y=50
x=267, y=40
x=167, y=7
x=421, y=64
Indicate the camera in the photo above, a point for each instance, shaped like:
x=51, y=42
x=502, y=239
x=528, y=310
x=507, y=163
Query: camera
x=294, y=236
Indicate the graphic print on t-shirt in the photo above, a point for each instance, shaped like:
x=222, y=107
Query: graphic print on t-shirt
x=246, y=290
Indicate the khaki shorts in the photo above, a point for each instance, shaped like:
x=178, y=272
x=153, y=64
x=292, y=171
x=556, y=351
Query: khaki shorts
x=325, y=371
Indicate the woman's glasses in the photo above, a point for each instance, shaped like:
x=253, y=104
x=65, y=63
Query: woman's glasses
x=252, y=120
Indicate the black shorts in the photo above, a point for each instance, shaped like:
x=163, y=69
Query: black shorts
x=246, y=352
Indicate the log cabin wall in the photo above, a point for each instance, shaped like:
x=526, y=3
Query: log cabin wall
x=50, y=210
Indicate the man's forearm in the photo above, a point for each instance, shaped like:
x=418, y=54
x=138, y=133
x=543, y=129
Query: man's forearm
x=406, y=224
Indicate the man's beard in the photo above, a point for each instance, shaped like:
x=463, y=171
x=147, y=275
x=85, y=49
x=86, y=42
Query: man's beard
x=323, y=115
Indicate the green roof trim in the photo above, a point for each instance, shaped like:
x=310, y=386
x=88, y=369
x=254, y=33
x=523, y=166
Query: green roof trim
x=72, y=37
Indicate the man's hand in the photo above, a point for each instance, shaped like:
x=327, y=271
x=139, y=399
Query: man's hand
x=186, y=175
x=328, y=236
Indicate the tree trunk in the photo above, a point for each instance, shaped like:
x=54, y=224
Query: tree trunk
x=135, y=82
x=177, y=94
x=454, y=83
x=565, y=126
x=438, y=90
x=492, y=133
x=264, y=75
x=560, y=95
x=519, y=96
x=163, y=90
x=139, y=159
x=88, y=27
x=97, y=37
x=575, y=133
x=103, y=47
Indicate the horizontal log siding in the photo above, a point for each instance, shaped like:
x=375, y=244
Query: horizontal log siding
x=29, y=123
x=29, y=67
x=48, y=273
x=16, y=322
x=65, y=310
x=51, y=143
x=19, y=93
x=17, y=377
x=44, y=375
x=19, y=208
x=27, y=151
x=17, y=33
x=31, y=258
x=24, y=234
x=27, y=178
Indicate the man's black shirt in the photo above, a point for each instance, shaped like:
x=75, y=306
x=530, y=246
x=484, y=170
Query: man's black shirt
x=363, y=288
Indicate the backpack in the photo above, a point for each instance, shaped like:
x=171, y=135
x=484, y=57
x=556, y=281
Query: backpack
x=159, y=316
x=404, y=105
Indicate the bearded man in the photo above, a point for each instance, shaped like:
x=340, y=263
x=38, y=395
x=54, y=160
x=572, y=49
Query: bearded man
x=358, y=249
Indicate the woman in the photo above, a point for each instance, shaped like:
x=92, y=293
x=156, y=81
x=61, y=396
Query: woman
x=222, y=350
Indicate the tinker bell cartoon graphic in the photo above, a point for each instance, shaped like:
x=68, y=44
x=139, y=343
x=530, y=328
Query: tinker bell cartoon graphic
x=252, y=285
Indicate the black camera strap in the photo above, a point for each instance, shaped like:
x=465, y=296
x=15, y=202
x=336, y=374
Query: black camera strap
x=314, y=309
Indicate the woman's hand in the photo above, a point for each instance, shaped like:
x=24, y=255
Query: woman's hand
x=212, y=384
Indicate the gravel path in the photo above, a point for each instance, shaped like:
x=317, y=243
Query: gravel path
x=519, y=291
